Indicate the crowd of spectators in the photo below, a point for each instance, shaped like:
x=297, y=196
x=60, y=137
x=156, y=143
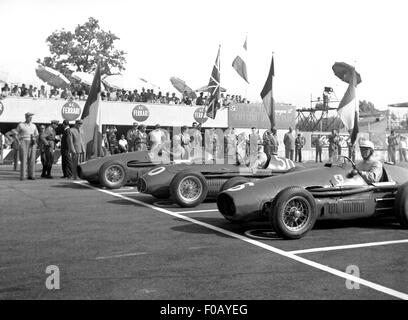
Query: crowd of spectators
x=144, y=95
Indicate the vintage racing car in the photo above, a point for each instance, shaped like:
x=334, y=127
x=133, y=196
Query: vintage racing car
x=117, y=170
x=189, y=184
x=293, y=202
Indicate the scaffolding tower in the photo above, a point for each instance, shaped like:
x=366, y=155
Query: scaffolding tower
x=317, y=118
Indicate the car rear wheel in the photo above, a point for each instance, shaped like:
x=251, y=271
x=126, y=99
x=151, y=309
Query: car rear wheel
x=292, y=213
x=401, y=205
x=188, y=189
x=233, y=182
x=113, y=175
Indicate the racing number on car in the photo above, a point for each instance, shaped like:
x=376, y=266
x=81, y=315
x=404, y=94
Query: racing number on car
x=281, y=164
x=241, y=186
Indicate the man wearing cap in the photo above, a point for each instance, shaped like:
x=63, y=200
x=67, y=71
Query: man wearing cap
x=369, y=169
x=66, y=161
x=131, y=136
x=27, y=136
x=48, y=139
x=76, y=147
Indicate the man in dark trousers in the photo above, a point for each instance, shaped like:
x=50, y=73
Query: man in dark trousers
x=65, y=156
x=76, y=147
x=48, y=140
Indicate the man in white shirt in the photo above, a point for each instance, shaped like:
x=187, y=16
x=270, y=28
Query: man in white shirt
x=27, y=137
x=123, y=145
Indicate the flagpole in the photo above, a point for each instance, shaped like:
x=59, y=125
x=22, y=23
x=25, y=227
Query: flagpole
x=273, y=107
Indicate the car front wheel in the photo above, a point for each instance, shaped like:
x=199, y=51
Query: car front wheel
x=188, y=189
x=113, y=175
x=293, y=213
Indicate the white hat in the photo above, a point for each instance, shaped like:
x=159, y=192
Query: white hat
x=367, y=144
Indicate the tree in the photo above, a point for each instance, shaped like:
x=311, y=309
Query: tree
x=82, y=49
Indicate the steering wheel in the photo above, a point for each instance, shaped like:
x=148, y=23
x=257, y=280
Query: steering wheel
x=351, y=161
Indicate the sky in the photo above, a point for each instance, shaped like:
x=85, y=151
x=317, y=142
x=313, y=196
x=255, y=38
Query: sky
x=180, y=38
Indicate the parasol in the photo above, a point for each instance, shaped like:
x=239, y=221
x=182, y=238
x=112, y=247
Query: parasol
x=118, y=81
x=83, y=77
x=52, y=77
x=206, y=88
x=344, y=72
x=181, y=86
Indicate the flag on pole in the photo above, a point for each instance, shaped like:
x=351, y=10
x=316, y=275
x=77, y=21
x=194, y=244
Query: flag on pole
x=349, y=110
x=267, y=95
x=214, y=88
x=239, y=63
x=91, y=117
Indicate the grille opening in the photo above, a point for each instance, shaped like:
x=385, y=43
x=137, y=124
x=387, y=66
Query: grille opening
x=226, y=205
x=141, y=185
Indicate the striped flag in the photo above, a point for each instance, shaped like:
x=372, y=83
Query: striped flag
x=349, y=110
x=214, y=89
x=239, y=63
x=267, y=95
x=91, y=117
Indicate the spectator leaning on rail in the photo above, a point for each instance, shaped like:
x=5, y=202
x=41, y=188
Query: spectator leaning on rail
x=370, y=170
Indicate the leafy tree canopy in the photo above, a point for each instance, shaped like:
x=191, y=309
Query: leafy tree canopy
x=82, y=49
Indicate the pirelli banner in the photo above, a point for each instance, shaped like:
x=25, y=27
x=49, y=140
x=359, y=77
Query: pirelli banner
x=243, y=115
x=112, y=113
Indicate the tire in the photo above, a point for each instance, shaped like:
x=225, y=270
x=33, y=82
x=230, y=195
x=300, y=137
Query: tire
x=284, y=201
x=233, y=182
x=188, y=189
x=401, y=205
x=113, y=175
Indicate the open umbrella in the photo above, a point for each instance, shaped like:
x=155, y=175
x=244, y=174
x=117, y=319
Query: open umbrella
x=206, y=88
x=52, y=77
x=118, y=81
x=83, y=77
x=181, y=86
x=344, y=72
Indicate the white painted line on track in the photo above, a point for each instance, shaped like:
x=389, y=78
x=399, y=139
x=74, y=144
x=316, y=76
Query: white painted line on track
x=350, y=246
x=130, y=192
x=198, y=211
x=121, y=255
x=341, y=274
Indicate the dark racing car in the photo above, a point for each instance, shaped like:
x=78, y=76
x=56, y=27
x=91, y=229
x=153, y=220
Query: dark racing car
x=189, y=184
x=293, y=202
x=117, y=170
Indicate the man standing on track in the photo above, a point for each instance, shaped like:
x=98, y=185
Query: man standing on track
x=27, y=136
x=66, y=160
x=48, y=140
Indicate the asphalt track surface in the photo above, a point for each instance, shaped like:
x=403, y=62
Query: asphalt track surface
x=120, y=244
